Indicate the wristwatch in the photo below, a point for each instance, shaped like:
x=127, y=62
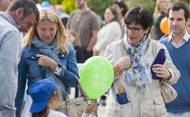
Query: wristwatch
x=57, y=69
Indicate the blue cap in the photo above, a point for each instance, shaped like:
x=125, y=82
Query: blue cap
x=40, y=92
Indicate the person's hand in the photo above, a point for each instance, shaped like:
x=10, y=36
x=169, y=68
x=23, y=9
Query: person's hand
x=161, y=71
x=124, y=63
x=46, y=61
x=89, y=49
x=90, y=108
x=95, y=52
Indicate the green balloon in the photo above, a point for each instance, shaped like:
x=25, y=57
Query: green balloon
x=96, y=76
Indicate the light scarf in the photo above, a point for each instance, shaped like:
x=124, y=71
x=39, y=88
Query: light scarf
x=138, y=73
x=51, y=51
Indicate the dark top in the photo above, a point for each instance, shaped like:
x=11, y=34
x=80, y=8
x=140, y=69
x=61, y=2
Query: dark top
x=157, y=32
x=79, y=54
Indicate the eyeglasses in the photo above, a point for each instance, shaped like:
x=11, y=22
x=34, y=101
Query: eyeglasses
x=134, y=29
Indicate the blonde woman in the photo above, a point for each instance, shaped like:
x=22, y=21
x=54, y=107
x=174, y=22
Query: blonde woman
x=160, y=12
x=46, y=54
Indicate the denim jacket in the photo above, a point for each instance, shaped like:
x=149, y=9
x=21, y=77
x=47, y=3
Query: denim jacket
x=30, y=71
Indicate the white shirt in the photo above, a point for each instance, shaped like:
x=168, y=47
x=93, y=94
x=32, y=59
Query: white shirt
x=53, y=113
x=182, y=41
x=107, y=34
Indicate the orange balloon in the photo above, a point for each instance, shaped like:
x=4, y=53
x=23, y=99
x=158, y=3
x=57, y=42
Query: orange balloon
x=164, y=26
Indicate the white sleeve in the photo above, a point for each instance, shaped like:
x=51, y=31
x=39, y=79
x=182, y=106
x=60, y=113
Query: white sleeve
x=58, y=72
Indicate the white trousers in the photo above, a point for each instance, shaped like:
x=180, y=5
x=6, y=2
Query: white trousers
x=26, y=111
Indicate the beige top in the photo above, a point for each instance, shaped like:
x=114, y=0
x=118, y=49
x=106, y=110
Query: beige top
x=109, y=33
x=147, y=104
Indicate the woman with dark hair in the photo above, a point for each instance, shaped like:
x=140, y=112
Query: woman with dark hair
x=110, y=32
x=136, y=90
x=121, y=8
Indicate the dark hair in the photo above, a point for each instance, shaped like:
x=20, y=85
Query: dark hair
x=177, y=6
x=140, y=16
x=28, y=5
x=114, y=12
x=43, y=113
x=122, y=4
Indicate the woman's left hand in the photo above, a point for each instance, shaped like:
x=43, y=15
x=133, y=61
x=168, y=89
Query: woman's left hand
x=46, y=61
x=161, y=71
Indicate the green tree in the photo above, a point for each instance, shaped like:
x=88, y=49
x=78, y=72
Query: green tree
x=53, y=2
x=100, y=5
x=69, y=5
x=150, y=4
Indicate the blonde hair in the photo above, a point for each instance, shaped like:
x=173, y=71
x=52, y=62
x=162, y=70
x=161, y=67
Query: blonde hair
x=59, y=8
x=157, y=8
x=76, y=36
x=49, y=15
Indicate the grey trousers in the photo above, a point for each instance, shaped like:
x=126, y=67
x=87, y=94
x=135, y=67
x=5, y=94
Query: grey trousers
x=7, y=113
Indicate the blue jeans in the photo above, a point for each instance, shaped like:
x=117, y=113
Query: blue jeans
x=178, y=114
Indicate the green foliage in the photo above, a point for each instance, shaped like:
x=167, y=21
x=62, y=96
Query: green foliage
x=185, y=1
x=100, y=5
x=150, y=4
x=69, y=5
x=53, y=2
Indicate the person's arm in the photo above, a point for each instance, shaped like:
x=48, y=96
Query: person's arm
x=10, y=45
x=89, y=109
x=95, y=26
x=122, y=64
x=69, y=73
x=93, y=40
x=68, y=25
x=46, y=61
x=171, y=68
x=22, y=76
x=168, y=71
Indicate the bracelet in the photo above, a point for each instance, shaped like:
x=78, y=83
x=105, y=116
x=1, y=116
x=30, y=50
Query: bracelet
x=118, y=69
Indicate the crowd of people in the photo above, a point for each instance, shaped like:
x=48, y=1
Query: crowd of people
x=44, y=64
